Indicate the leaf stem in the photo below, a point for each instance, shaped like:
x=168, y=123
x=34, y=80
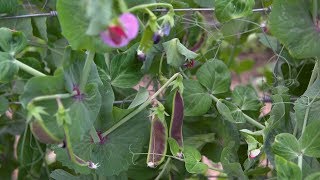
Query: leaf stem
x=300, y=159
x=314, y=73
x=86, y=70
x=141, y=107
x=315, y=11
x=94, y=135
x=28, y=69
x=163, y=169
x=253, y=122
x=143, y=6
x=54, y=96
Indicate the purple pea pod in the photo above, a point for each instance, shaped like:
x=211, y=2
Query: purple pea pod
x=157, y=143
x=141, y=55
x=177, y=119
x=156, y=37
x=42, y=133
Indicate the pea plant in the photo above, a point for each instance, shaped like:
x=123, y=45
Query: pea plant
x=145, y=89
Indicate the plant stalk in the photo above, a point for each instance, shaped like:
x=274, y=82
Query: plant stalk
x=54, y=96
x=315, y=12
x=253, y=122
x=141, y=107
x=28, y=69
x=163, y=169
x=86, y=70
x=314, y=74
x=151, y=5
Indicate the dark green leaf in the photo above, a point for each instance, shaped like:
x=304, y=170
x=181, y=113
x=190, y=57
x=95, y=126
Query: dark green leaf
x=192, y=159
x=287, y=146
x=177, y=53
x=124, y=69
x=215, y=76
x=174, y=147
x=286, y=169
x=313, y=176
x=140, y=98
x=74, y=24
x=232, y=9
x=40, y=27
x=246, y=98
x=309, y=143
x=8, y=7
x=196, y=99
x=198, y=141
x=231, y=112
x=291, y=22
x=11, y=41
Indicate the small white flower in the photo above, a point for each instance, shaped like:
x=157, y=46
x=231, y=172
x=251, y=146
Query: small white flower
x=180, y=155
x=254, y=153
x=92, y=165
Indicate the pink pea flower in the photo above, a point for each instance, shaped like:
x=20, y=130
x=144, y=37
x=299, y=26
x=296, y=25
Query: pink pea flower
x=119, y=35
x=254, y=153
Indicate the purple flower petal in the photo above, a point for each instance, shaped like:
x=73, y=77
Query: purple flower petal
x=105, y=36
x=130, y=25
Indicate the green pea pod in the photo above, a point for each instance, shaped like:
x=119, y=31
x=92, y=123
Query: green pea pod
x=177, y=119
x=158, y=142
x=42, y=133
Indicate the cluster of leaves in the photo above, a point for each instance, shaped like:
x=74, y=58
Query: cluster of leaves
x=60, y=88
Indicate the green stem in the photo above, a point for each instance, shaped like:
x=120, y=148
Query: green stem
x=314, y=73
x=253, y=122
x=141, y=107
x=315, y=12
x=28, y=69
x=214, y=98
x=94, y=135
x=163, y=169
x=300, y=159
x=86, y=70
x=151, y=5
x=54, y=96
x=233, y=51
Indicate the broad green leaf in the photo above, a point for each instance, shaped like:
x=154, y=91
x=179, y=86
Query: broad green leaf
x=8, y=69
x=8, y=7
x=140, y=98
x=313, y=176
x=4, y=105
x=30, y=155
x=99, y=13
x=215, y=76
x=125, y=69
x=226, y=10
x=198, y=141
x=74, y=25
x=177, y=53
x=192, y=159
x=251, y=141
x=309, y=140
x=12, y=41
x=205, y=3
x=40, y=27
x=287, y=169
x=174, y=146
x=246, y=98
x=230, y=161
x=269, y=41
x=287, y=146
x=291, y=22
x=196, y=99
x=23, y=24
x=310, y=99
x=231, y=112
x=59, y=174
x=131, y=3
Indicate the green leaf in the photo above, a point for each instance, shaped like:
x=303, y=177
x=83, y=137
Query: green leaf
x=192, y=159
x=4, y=105
x=246, y=98
x=131, y=3
x=301, y=37
x=12, y=41
x=23, y=24
x=99, y=13
x=124, y=69
x=177, y=53
x=286, y=169
x=40, y=27
x=8, y=7
x=215, y=76
x=30, y=155
x=140, y=98
x=226, y=10
x=313, y=176
x=287, y=146
x=196, y=99
x=310, y=99
x=7, y=67
x=205, y=3
x=231, y=112
x=199, y=140
x=174, y=146
x=74, y=25
x=309, y=140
